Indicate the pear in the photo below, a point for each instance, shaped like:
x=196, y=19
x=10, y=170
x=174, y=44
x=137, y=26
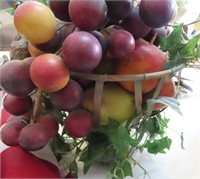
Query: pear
x=116, y=103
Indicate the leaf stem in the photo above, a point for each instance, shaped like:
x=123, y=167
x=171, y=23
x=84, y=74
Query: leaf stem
x=136, y=163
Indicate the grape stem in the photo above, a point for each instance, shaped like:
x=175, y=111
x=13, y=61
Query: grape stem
x=191, y=23
x=36, y=103
x=153, y=38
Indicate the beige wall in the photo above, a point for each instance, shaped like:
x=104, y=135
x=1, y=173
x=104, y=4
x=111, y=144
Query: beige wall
x=3, y=4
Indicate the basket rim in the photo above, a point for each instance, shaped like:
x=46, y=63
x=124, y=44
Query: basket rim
x=131, y=77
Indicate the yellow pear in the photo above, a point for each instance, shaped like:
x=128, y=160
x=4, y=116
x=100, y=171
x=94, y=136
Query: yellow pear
x=116, y=103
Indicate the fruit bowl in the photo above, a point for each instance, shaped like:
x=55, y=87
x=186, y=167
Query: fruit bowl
x=94, y=88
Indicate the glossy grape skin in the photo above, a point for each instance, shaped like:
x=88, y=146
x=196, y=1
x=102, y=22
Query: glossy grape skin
x=15, y=78
x=33, y=137
x=135, y=25
x=68, y=98
x=81, y=51
x=60, y=9
x=120, y=44
x=157, y=13
x=88, y=14
x=49, y=122
x=119, y=9
x=35, y=22
x=17, y=105
x=10, y=132
x=67, y=30
x=102, y=40
x=52, y=45
x=79, y=123
x=49, y=72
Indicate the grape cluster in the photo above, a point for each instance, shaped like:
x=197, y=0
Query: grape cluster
x=95, y=36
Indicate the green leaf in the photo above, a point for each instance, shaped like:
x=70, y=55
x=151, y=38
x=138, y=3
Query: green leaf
x=109, y=128
x=120, y=140
x=123, y=170
x=127, y=169
x=158, y=145
x=168, y=101
x=173, y=41
x=188, y=52
x=45, y=2
x=73, y=168
x=162, y=124
x=177, y=60
x=151, y=126
x=10, y=11
x=59, y=147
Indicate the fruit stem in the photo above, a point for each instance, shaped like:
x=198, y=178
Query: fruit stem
x=153, y=38
x=36, y=103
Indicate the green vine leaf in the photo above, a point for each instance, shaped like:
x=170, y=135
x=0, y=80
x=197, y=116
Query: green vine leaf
x=189, y=52
x=124, y=170
x=73, y=168
x=179, y=47
x=59, y=147
x=168, y=101
x=158, y=145
x=173, y=42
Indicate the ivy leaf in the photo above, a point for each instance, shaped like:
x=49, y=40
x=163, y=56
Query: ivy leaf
x=173, y=41
x=151, y=126
x=175, y=62
x=124, y=170
x=59, y=147
x=121, y=140
x=188, y=52
x=162, y=123
x=168, y=101
x=158, y=145
x=73, y=168
x=45, y=2
x=127, y=169
x=10, y=11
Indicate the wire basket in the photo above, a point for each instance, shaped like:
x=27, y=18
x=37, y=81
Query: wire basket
x=137, y=79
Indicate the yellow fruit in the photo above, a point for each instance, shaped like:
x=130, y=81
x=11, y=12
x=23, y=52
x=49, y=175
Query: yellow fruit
x=35, y=22
x=117, y=103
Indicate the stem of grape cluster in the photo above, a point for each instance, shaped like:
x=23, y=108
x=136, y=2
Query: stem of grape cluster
x=153, y=38
x=36, y=103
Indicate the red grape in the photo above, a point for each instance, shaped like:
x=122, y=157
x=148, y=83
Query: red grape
x=50, y=123
x=88, y=14
x=157, y=13
x=79, y=123
x=60, y=9
x=68, y=98
x=52, y=45
x=135, y=25
x=119, y=9
x=10, y=132
x=15, y=78
x=33, y=137
x=120, y=44
x=81, y=51
x=17, y=105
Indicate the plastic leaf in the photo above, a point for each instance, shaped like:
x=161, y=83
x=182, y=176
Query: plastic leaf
x=168, y=101
x=158, y=146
